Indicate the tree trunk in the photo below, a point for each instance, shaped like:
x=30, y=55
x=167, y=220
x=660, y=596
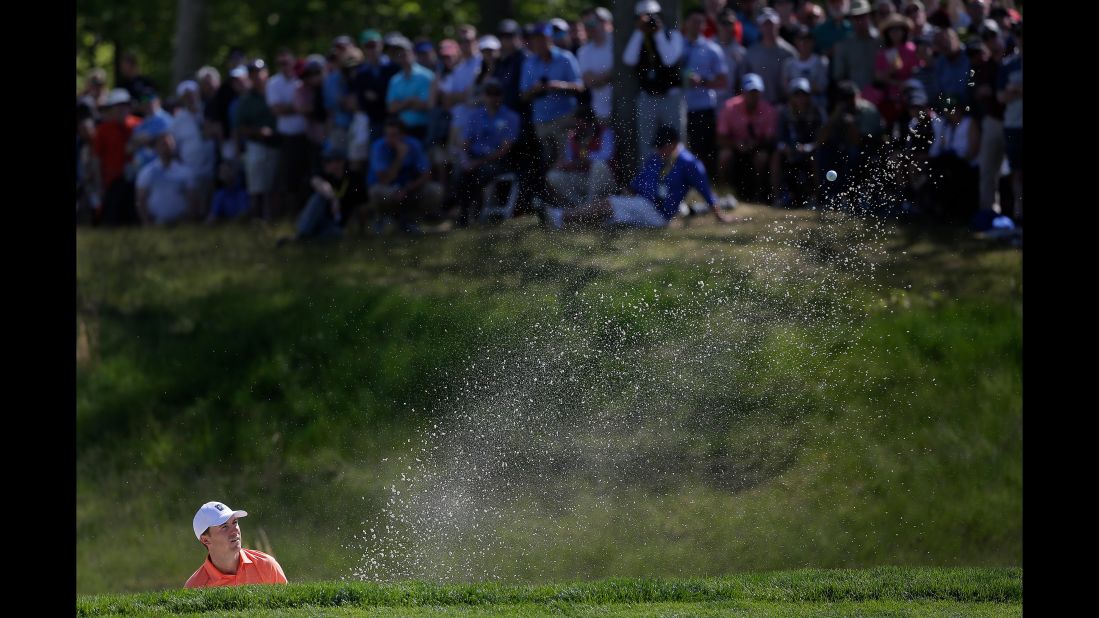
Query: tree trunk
x=491, y=12
x=190, y=31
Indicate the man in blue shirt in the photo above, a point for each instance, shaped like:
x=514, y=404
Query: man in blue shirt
x=400, y=177
x=487, y=138
x=655, y=194
x=550, y=81
x=409, y=94
x=707, y=75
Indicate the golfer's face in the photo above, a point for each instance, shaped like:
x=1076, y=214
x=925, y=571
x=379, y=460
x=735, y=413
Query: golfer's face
x=225, y=537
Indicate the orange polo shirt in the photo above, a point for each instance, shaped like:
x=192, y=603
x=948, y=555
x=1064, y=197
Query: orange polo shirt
x=255, y=567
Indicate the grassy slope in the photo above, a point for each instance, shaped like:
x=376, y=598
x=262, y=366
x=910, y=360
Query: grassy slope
x=215, y=366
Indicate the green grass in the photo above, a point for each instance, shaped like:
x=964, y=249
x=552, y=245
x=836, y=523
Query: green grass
x=883, y=591
x=847, y=394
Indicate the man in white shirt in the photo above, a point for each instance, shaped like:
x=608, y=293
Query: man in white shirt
x=290, y=124
x=596, y=59
x=195, y=141
x=165, y=186
x=656, y=54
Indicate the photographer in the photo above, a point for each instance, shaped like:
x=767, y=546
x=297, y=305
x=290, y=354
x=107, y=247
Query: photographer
x=656, y=53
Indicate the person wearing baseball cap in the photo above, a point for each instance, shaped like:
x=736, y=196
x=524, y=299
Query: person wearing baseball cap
x=746, y=132
x=217, y=527
x=655, y=54
x=655, y=193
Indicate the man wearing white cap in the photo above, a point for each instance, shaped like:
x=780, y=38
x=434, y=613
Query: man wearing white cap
x=656, y=54
x=227, y=563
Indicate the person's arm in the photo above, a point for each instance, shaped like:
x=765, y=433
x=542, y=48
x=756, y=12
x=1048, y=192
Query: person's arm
x=572, y=81
x=323, y=187
x=390, y=174
x=669, y=45
x=632, y=54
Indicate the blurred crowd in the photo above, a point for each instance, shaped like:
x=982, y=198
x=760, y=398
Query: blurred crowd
x=384, y=130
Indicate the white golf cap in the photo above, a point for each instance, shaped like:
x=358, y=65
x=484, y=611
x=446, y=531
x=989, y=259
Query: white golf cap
x=489, y=42
x=213, y=514
x=186, y=86
x=117, y=96
x=646, y=7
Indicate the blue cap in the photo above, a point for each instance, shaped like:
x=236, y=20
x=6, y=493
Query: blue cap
x=752, y=81
x=543, y=28
x=423, y=46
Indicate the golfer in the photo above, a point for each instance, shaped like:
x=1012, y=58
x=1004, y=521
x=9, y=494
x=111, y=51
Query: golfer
x=227, y=563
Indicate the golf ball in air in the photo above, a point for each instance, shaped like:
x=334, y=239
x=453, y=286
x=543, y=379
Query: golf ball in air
x=831, y=175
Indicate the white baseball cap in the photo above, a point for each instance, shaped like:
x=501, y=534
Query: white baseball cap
x=489, y=42
x=186, y=86
x=117, y=97
x=646, y=7
x=213, y=514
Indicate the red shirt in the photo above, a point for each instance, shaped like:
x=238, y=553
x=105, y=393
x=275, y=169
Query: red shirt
x=734, y=119
x=110, y=147
x=255, y=567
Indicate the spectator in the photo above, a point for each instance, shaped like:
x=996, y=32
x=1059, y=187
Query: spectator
x=836, y=29
x=551, y=81
x=1009, y=91
x=715, y=11
x=583, y=173
x=231, y=201
x=707, y=74
x=748, y=14
x=883, y=10
x=793, y=167
x=255, y=124
x=217, y=110
x=156, y=121
x=788, y=24
x=951, y=67
x=976, y=12
x=894, y=65
x=656, y=54
x=116, y=203
x=953, y=159
x=766, y=57
x=562, y=36
x=850, y=136
x=490, y=132
x=813, y=67
x=400, y=176
x=209, y=82
x=409, y=94
x=310, y=100
x=596, y=60
x=915, y=11
x=747, y=130
x=990, y=113
x=490, y=56
x=371, y=83
x=337, y=191
x=925, y=67
x=292, y=143
x=339, y=99
x=734, y=55
x=853, y=58
x=812, y=16
x=655, y=194
x=426, y=57
x=95, y=91
x=578, y=35
x=241, y=83
x=130, y=77
x=509, y=70
x=195, y=142
x=165, y=187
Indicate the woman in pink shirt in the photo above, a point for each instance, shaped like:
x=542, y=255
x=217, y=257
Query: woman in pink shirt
x=894, y=65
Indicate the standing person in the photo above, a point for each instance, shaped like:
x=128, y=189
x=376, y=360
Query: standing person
x=1009, y=91
x=991, y=114
x=550, y=81
x=734, y=55
x=371, y=84
x=293, y=145
x=114, y=203
x=255, y=124
x=767, y=57
x=894, y=64
x=409, y=95
x=707, y=74
x=196, y=142
x=853, y=57
x=813, y=67
x=834, y=30
x=227, y=563
x=596, y=59
x=656, y=53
